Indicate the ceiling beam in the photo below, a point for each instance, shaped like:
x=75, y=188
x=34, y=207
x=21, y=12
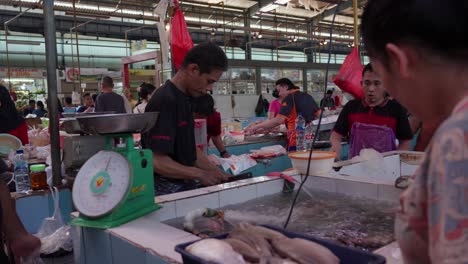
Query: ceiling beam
x=329, y=12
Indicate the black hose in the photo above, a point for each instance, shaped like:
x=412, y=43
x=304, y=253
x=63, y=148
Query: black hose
x=319, y=121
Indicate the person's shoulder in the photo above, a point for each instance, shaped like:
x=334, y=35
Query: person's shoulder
x=353, y=104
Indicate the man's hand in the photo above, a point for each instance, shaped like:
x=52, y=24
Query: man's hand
x=212, y=177
x=24, y=245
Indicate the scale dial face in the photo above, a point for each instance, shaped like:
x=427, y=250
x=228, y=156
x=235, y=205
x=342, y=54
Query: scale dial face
x=101, y=184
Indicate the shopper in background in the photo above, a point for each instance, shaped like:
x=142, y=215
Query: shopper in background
x=360, y=118
x=40, y=109
x=59, y=106
x=144, y=94
x=429, y=76
x=88, y=104
x=68, y=107
x=108, y=100
x=203, y=108
x=296, y=102
x=328, y=101
x=178, y=163
x=30, y=109
x=11, y=122
x=275, y=105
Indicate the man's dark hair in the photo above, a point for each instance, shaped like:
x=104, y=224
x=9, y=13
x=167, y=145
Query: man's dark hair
x=286, y=82
x=107, y=82
x=438, y=26
x=68, y=100
x=86, y=94
x=32, y=101
x=208, y=56
x=330, y=92
x=203, y=105
x=367, y=68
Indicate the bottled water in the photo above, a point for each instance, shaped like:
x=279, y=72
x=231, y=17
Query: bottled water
x=309, y=136
x=300, y=133
x=21, y=173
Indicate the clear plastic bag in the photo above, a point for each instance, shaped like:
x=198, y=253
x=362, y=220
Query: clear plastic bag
x=54, y=234
x=238, y=164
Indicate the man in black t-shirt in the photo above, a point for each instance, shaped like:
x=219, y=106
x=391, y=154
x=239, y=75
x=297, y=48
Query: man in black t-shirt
x=178, y=163
x=373, y=109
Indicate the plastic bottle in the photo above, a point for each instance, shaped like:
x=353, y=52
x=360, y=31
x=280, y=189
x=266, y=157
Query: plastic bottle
x=300, y=133
x=309, y=136
x=21, y=173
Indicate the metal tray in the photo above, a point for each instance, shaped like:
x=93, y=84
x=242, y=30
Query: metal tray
x=117, y=123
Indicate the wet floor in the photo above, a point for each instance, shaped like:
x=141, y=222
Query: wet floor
x=357, y=222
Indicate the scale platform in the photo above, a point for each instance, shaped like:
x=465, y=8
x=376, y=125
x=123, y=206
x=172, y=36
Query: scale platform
x=115, y=185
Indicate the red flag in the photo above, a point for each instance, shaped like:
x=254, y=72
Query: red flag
x=349, y=77
x=181, y=41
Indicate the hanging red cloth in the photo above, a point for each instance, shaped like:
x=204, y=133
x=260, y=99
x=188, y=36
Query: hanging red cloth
x=349, y=77
x=181, y=41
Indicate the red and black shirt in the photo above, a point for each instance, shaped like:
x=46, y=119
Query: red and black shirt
x=390, y=114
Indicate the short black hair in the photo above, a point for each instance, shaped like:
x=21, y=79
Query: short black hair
x=208, y=56
x=32, y=101
x=329, y=92
x=146, y=89
x=68, y=100
x=438, y=26
x=203, y=105
x=86, y=94
x=367, y=68
x=107, y=82
x=286, y=82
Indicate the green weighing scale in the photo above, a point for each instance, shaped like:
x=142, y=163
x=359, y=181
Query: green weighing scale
x=115, y=185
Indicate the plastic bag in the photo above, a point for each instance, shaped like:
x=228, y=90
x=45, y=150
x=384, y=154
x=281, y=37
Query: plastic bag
x=237, y=164
x=54, y=234
x=349, y=77
x=181, y=41
x=269, y=152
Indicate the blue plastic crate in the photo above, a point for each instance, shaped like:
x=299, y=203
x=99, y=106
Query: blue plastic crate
x=347, y=255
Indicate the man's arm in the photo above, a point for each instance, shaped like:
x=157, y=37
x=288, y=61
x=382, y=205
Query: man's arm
x=218, y=142
x=165, y=165
x=21, y=242
x=404, y=145
x=278, y=120
x=335, y=140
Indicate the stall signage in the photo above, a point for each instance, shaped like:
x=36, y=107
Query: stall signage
x=22, y=73
x=134, y=72
x=89, y=74
x=138, y=45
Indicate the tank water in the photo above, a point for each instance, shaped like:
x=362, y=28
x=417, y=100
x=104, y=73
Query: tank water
x=300, y=133
x=21, y=173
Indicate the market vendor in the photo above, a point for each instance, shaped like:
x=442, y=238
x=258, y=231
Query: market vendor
x=11, y=122
x=425, y=67
x=203, y=108
x=294, y=103
x=178, y=163
x=372, y=122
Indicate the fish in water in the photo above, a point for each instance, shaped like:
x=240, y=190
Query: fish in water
x=303, y=251
x=215, y=251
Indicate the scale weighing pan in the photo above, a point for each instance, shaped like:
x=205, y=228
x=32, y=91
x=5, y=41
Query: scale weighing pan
x=117, y=123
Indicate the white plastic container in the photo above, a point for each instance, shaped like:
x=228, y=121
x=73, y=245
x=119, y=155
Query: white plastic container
x=238, y=136
x=322, y=161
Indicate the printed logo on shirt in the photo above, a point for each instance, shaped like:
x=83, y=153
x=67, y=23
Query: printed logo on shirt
x=182, y=123
x=161, y=137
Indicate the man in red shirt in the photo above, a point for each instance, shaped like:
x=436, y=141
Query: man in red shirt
x=373, y=109
x=203, y=108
